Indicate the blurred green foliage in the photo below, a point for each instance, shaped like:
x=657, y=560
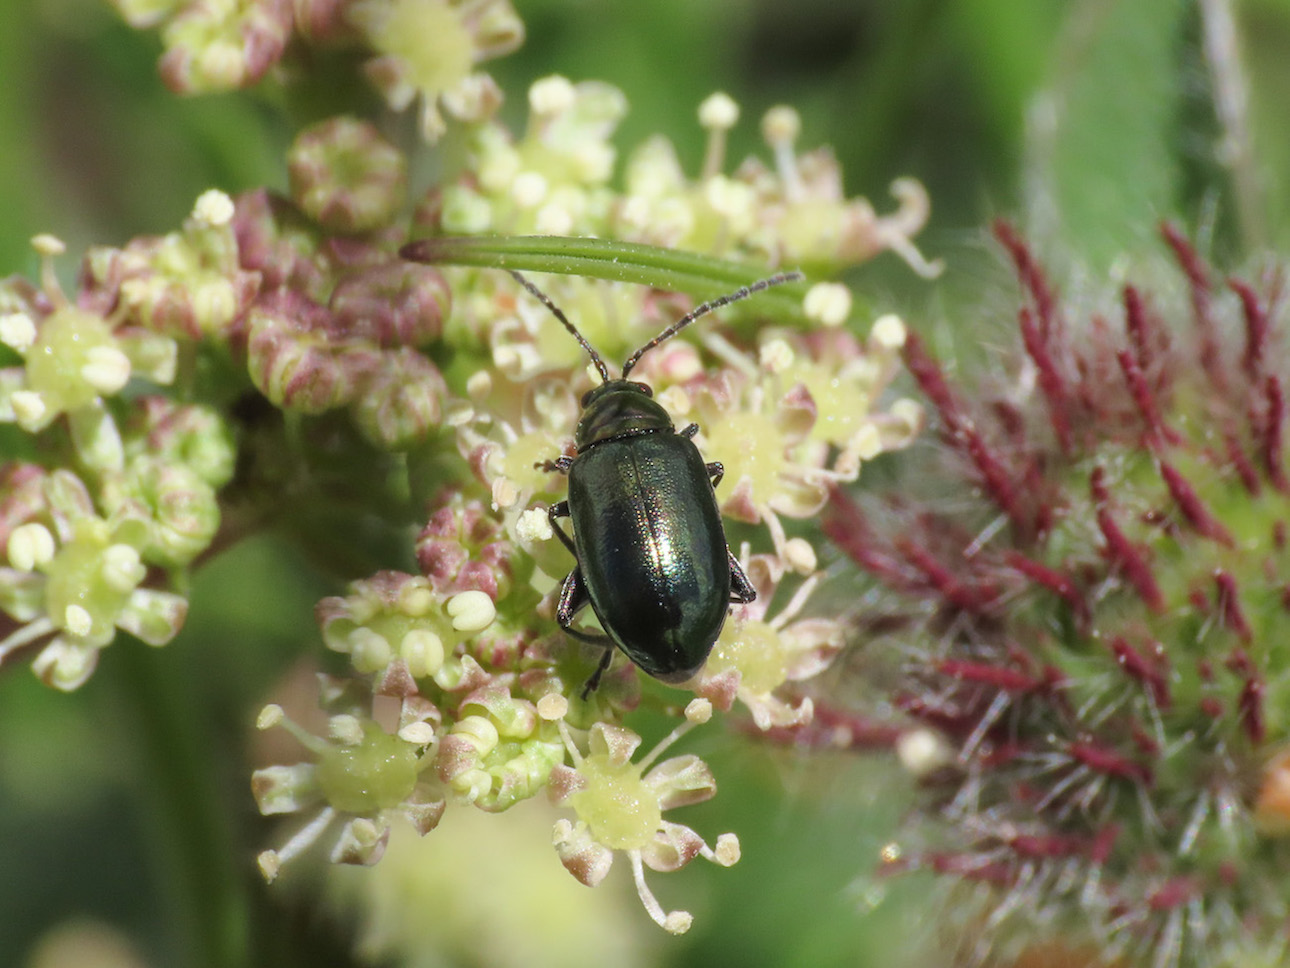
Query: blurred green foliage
x=1086, y=120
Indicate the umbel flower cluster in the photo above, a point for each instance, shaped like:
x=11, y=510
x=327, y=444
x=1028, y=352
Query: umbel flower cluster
x=1091, y=685
x=274, y=362
x=417, y=51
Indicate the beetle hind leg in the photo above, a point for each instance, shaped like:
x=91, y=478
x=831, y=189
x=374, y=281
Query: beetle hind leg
x=573, y=599
x=590, y=686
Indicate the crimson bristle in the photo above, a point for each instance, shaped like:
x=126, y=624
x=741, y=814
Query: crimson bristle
x=1192, y=507
x=1050, y=381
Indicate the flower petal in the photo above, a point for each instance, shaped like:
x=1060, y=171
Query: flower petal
x=809, y=646
x=672, y=848
x=582, y=857
x=362, y=842
x=680, y=781
x=616, y=742
x=284, y=789
x=152, y=616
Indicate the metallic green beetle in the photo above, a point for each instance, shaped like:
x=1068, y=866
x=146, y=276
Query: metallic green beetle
x=651, y=552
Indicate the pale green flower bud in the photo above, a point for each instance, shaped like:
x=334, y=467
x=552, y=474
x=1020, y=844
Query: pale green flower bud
x=73, y=360
x=96, y=437
x=178, y=509
x=403, y=401
x=30, y=545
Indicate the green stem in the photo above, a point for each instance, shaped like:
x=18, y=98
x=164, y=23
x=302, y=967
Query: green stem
x=673, y=270
x=1232, y=108
x=203, y=881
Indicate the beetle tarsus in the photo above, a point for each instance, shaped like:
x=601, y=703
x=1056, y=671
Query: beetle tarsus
x=594, y=681
x=560, y=464
x=716, y=471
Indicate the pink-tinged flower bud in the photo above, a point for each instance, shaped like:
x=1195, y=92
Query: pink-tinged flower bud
x=324, y=21
x=185, y=284
x=346, y=176
x=22, y=496
x=361, y=841
x=283, y=789
x=397, y=304
x=464, y=547
x=297, y=358
x=277, y=242
x=213, y=45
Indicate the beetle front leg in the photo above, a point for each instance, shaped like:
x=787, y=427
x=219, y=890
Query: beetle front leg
x=560, y=509
x=561, y=464
x=716, y=471
x=741, y=589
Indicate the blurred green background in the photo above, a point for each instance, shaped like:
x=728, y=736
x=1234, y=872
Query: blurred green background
x=1087, y=121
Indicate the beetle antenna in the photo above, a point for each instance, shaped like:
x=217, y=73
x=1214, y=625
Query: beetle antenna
x=707, y=307
x=555, y=311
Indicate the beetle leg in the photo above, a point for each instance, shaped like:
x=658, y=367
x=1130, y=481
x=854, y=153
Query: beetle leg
x=594, y=681
x=573, y=599
x=741, y=589
x=561, y=464
x=560, y=509
x=689, y=431
x=716, y=471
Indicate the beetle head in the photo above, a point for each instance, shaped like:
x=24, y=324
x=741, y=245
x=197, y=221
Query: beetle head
x=618, y=408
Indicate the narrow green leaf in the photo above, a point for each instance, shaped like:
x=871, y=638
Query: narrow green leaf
x=698, y=275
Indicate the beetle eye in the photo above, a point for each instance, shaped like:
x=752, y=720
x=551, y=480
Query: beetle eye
x=643, y=388
x=585, y=397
